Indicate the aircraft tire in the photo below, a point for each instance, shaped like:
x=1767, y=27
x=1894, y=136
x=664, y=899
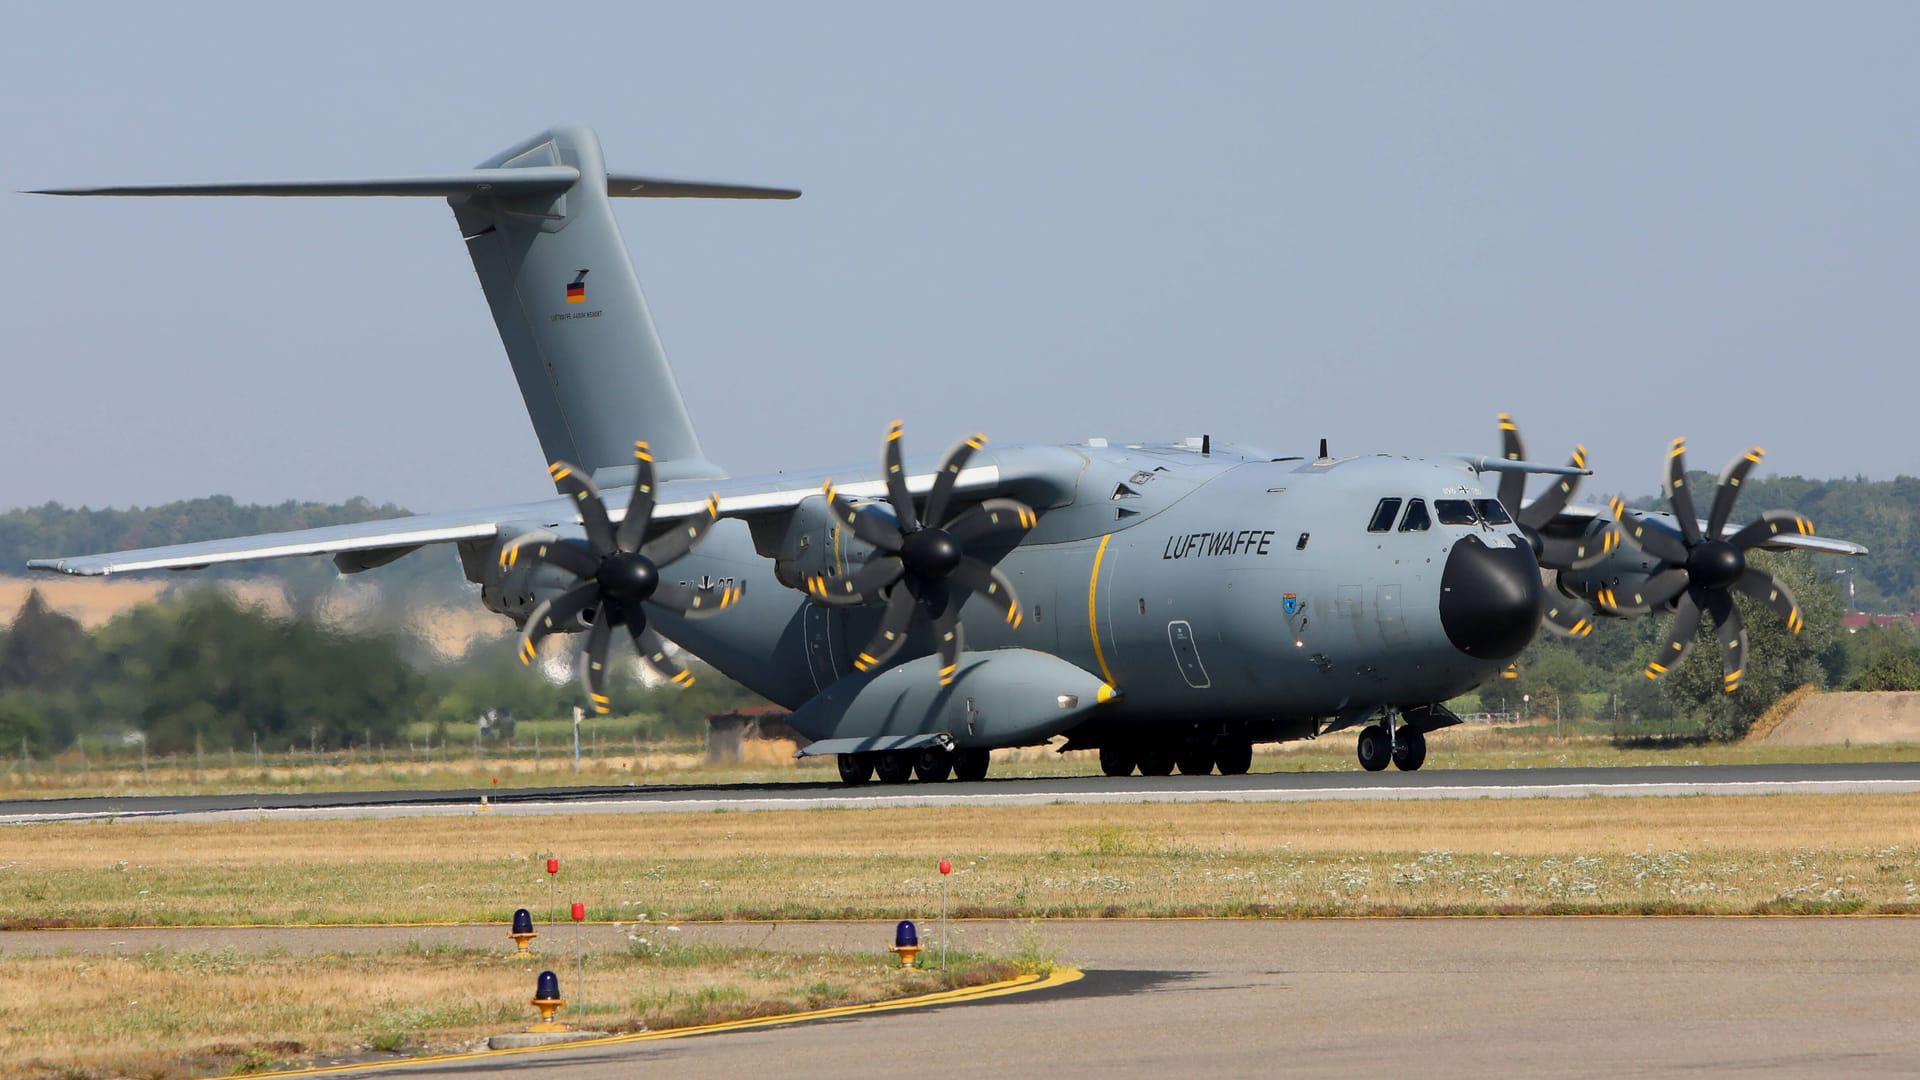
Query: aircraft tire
x=1156, y=759
x=1117, y=759
x=893, y=767
x=1195, y=759
x=1410, y=752
x=933, y=765
x=1374, y=749
x=1234, y=757
x=971, y=765
x=856, y=769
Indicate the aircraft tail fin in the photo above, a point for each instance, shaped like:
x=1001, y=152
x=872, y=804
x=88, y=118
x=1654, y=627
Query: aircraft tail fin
x=540, y=230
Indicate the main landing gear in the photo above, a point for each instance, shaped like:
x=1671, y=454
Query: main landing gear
x=929, y=765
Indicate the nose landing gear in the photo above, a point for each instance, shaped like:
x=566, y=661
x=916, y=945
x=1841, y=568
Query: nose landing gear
x=1405, y=746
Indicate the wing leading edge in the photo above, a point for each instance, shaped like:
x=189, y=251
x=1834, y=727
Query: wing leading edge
x=396, y=536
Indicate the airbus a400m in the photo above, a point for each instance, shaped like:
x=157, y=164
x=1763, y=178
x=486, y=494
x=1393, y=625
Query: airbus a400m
x=1170, y=603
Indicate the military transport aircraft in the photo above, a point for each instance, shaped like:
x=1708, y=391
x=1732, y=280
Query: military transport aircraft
x=1170, y=603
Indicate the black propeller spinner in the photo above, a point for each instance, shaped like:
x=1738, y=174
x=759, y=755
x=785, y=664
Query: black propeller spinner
x=618, y=575
x=1702, y=569
x=1565, y=616
x=918, y=560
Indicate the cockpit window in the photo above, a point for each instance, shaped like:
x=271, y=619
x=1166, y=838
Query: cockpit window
x=1383, y=516
x=1492, y=511
x=1454, y=511
x=1416, y=519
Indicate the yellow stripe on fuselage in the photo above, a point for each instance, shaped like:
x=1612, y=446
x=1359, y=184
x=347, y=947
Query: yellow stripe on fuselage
x=1093, y=610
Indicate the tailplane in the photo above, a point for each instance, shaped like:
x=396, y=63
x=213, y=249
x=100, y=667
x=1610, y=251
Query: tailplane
x=539, y=227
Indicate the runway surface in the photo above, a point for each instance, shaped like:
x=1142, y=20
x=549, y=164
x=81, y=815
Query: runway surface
x=1368, y=997
x=1254, y=787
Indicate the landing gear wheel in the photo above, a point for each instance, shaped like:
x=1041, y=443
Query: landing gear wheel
x=971, y=765
x=1233, y=757
x=1410, y=752
x=1117, y=759
x=933, y=765
x=893, y=766
x=1195, y=759
x=1375, y=750
x=856, y=769
x=1156, y=760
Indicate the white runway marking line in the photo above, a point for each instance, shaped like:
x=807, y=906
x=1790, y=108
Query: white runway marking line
x=912, y=799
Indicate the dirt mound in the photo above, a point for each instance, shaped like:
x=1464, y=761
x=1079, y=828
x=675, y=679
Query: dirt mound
x=1823, y=719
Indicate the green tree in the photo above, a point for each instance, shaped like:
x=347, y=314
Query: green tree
x=43, y=649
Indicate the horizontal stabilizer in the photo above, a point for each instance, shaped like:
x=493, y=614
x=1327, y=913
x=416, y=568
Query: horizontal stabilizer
x=507, y=182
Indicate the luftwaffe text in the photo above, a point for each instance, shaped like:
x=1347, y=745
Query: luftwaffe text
x=1204, y=545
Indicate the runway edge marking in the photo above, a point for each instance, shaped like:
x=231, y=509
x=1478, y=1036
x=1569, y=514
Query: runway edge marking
x=1023, y=984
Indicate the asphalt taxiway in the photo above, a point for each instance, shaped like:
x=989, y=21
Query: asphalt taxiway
x=1765, y=997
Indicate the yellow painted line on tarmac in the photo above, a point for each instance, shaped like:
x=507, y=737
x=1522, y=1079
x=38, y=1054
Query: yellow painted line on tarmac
x=1057, y=977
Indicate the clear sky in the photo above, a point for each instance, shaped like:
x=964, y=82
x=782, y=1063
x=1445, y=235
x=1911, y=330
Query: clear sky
x=1377, y=223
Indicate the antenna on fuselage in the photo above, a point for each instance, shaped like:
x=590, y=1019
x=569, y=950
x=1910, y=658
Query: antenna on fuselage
x=1323, y=451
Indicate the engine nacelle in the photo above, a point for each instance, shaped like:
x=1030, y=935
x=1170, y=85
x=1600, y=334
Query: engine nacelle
x=811, y=544
x=516, y=589
x=1624, y=570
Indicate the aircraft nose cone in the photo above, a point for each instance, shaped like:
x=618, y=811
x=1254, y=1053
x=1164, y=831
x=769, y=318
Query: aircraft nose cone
x=1490, y=599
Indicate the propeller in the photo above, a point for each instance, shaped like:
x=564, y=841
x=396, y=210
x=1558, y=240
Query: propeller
x=617, y=575
x=1565, y=616
x=1702, y=569
x=919, y=557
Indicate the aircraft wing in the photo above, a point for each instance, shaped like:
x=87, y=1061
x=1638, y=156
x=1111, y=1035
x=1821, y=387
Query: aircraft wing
x=366, y=544
x=1578, y=515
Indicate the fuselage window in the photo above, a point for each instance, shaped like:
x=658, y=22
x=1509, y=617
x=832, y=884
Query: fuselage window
x=1383, y=516
x=1416, y=519
x=1492, y=511
x=1454, y=511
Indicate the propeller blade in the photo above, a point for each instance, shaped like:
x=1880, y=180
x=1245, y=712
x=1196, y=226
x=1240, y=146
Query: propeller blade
x=950, y=467
x=1729, y=490
x=868, y=521
x=667, y=548
x=1568, y=618
x=548, y=548
x=653, y=648
x=994, y=515
x=946, y=631
x=897, y=483
x=1680, y=638
x=593, y=666
x=1653, y=593
x=1546, y=507
x=586, y=499
x=1678, y=495
x=554, y=613
x=1771, y=524
x=869, y=582
x=987, y=581
x=1733, y=639
x=696, y=603
x=633, y=527
x=1772, y=592
x=1513, y=486
x=893, y=630
x=1649, y=539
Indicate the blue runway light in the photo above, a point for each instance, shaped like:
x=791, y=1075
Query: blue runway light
x=548, y=987
x=522, y=921
x=905, y=935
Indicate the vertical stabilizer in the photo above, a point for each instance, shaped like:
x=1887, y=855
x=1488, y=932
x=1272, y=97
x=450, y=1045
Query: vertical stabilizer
x=571, y=315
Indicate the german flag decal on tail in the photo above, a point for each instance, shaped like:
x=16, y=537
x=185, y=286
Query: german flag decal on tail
x=577, y=289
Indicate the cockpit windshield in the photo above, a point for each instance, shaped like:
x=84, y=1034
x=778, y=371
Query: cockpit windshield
x=1492, y=511
x=1454, y=512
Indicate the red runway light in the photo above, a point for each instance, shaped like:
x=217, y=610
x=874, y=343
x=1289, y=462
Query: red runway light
x=946, y=867
x=553, y=866
x=579, y=911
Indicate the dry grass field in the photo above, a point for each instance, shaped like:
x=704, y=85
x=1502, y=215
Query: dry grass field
x=166, y=1013
x=1746, y=854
